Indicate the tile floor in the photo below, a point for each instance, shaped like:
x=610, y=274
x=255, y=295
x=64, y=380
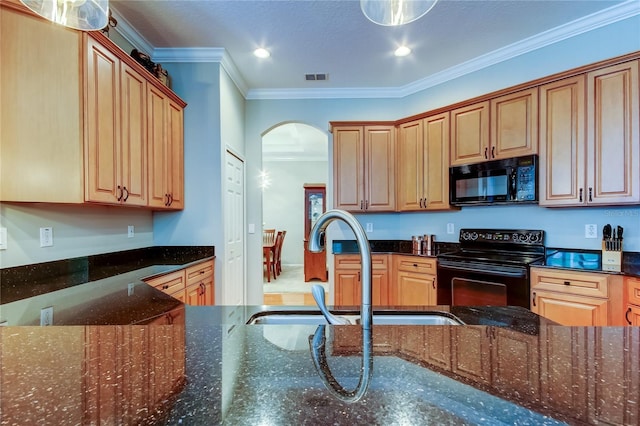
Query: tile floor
x=289, y=288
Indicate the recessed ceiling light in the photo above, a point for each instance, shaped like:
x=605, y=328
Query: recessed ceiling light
x=402, y=51
x=261, y=53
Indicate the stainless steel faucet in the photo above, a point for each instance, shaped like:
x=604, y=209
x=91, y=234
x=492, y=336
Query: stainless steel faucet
x=316, y=245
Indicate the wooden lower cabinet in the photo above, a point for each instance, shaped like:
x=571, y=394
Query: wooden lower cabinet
x=348, y=280
x=415, y=282
x=632, y=301
x=199, y=285
x=577, y=298
x=193, y=285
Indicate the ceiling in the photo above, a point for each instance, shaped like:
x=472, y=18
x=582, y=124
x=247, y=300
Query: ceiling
x=334, y=37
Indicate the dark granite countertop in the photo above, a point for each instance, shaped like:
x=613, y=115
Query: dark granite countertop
x=100, y=289
x=210, y=369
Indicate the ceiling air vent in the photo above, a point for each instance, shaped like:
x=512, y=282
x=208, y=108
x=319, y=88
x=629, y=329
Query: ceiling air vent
x=316, y=77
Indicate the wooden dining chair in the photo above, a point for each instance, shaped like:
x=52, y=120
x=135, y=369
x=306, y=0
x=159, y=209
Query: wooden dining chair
x=268, y=252
x=279, y=243
x=268, y=237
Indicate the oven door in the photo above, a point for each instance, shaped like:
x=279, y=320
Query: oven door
x=477, y=284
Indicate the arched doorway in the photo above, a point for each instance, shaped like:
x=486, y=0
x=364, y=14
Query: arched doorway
x=293, y=154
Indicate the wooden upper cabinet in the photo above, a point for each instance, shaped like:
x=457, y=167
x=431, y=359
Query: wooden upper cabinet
x=562, y=143
x=470, y=134
x=514, y=124
x=600, y=167
x=423, y=164
x=91, y=141
x=613, y=137
x=503, y=127
x=116, y=138
x=41, y=121
x=364, y=167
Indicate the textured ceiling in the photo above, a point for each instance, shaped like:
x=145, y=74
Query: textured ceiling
x=334, y=37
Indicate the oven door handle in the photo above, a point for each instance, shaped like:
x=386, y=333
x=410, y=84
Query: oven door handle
x=496, y=272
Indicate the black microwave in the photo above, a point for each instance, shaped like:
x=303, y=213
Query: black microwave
x=507, y=181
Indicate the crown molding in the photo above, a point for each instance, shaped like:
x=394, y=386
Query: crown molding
x=600, y=19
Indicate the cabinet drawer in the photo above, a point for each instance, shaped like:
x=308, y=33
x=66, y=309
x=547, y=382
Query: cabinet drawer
x=633, y=290
x=352, y=261
x=416, y=264
x=578, y=283
x=169, y=283
x=198, y=273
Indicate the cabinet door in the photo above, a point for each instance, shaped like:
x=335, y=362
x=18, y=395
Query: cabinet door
x=348, y=168
x=514, y=124
x=436, y=162
x=40, y=79
x=347, y=287
x=133, y=152
x=193, y=295
x=612, y=135
x=470, y=134
x=102, y=118
x=567, y=309
x=410, y=170
x=562, y=148
x=175, y=160
x=379, y=171
x=157, y=114
x=415, y=289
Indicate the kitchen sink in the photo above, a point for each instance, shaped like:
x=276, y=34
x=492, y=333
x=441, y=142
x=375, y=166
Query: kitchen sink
x=379, y=318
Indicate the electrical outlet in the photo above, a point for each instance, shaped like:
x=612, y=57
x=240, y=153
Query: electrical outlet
x=130, y=231
x=130, y=287
x=591, y=231
x=3, y=238
x=46, y=237
x=46, y=316
x=450, y=228
x=369, y=227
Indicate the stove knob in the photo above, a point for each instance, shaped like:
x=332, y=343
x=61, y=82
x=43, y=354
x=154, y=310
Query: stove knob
x=474, y=236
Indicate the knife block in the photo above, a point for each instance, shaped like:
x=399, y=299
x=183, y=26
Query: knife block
x=612, y=259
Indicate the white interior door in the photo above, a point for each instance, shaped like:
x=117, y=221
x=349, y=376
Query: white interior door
x=234, y=278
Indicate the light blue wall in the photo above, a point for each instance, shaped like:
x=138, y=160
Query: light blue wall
x=565, y=227
x=213, y=121
x=198, y=84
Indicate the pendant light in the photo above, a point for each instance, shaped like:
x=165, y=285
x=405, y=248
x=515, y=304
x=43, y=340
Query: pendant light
x=85, y=15
x=395, y=12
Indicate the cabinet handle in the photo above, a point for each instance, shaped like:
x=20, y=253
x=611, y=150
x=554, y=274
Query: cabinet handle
x=202, y=289
x=119, y=197
x=361, y=205
x=580, y=199
x=166, y=203
x=170, y=199
x=534, y=298
x=126, y=197
x=590, y=194
x=626, y=316
x=493, y=152
x=485, y=152
x=420, y=202
x=358, y=276
x=166, y=286
x=567, y=283
x=433, y=283
x=415, y=265
x=366, y=205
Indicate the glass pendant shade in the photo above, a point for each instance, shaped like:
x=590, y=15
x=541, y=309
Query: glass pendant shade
x=395, y=12
x=85, y=15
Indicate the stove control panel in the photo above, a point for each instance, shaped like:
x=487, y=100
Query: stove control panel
x=534, y=237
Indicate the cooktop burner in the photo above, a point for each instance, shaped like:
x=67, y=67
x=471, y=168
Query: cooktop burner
x=499, y=246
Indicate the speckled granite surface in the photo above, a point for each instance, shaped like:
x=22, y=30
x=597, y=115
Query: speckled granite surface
x=26, y=281
x=212, y=370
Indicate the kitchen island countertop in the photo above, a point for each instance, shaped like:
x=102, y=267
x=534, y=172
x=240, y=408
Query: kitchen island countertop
x=507, y=366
